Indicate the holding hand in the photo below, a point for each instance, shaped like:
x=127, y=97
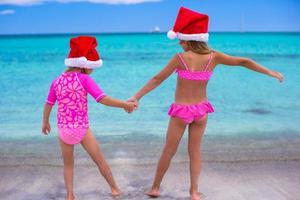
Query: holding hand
x=277, y=75
x=134, y=100
x=130, y=106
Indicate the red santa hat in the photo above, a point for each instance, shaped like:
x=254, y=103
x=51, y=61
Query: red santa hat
x=83, y=53
x=190, y=25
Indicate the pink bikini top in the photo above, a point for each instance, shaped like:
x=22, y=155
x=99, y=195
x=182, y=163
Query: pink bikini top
x=194, y=75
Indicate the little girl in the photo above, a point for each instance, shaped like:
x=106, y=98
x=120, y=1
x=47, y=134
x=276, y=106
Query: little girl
x=194, y=68
x=70, y=91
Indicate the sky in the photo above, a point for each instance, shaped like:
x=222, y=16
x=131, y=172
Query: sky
x=106, y=16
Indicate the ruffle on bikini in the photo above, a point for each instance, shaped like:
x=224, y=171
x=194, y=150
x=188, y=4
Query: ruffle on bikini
x=190, y=113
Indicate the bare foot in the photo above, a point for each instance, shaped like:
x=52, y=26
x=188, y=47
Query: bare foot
x=195, y=196
x=115, y=192
x=153, y=193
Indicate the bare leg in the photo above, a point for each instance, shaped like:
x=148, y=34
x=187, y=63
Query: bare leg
x=174, y=134
x=91, y=145
x=196, y=131
x=68, y=158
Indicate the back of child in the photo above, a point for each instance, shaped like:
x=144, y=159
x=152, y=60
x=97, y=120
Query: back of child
x=70, y=90
x=194, y=68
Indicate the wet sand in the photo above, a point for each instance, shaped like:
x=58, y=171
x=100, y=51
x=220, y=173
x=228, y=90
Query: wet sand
x=251, y=168
x=219, y=181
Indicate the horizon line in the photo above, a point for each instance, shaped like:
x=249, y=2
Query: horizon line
x=131, y=33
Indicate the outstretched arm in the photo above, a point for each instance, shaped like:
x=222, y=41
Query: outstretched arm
x=246, y=62
x=157, y=79
x=46, y=128
x=109, y=101
x=94, y=90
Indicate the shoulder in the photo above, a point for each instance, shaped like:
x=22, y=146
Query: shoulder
x=177, y=56
x=55, y=81
x=83, y=77
x=184, y=54
x=86, y=80
x=175, y=59
x=182, y=57
x=218, y=56
x=222, y=58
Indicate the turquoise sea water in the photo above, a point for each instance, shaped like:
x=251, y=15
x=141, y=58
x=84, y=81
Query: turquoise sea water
x=245, y=102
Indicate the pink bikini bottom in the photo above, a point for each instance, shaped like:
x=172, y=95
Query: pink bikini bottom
x=72, y=135
x=190, y=113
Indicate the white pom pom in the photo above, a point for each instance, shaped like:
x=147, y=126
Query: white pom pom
x=100, y=62
x=171, y=35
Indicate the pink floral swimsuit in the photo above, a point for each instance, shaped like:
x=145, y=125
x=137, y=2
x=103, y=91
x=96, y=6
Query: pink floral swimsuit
x=70, y=91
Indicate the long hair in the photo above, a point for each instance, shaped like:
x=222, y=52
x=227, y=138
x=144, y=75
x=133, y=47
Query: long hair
x=198, y=47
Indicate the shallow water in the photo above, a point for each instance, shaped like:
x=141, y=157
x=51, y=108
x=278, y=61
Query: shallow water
x=245, y=102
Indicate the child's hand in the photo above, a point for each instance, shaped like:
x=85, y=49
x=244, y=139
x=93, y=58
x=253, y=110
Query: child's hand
x=46, y=128
x=134, y=100
x=130, y=106
x=277, y=75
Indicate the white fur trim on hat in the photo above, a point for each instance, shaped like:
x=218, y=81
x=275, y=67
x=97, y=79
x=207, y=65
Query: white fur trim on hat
x=82, y=62
x=203, y=37
x=171, y=34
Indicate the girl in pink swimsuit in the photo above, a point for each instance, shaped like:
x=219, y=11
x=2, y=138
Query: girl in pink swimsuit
x=194, y=68
x=70, y=90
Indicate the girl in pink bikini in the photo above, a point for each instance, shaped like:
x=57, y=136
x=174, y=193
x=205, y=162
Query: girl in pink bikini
x=194, y=68
x=70, y=90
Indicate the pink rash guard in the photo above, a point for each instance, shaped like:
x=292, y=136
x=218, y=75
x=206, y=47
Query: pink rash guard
x=70, y=91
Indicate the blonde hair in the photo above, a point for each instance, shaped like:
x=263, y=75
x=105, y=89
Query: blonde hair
x=82, y=70
x=198, y=47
